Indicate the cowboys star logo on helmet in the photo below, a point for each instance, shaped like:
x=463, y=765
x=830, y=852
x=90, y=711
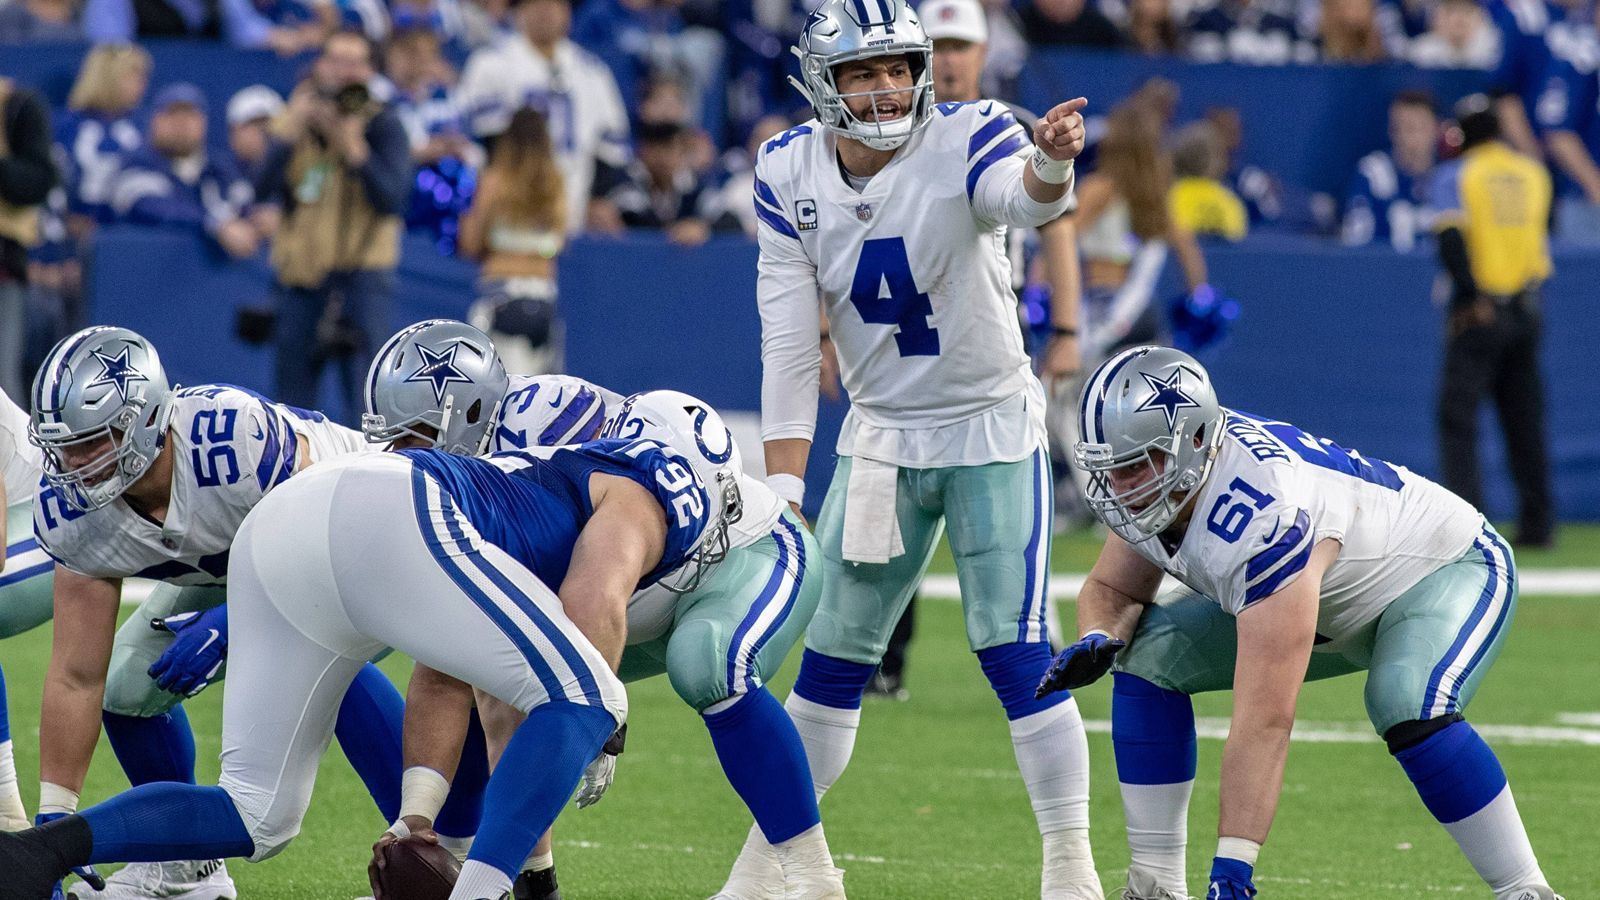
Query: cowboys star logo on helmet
x=1168, y=397
x=116, y=372
x=440, y=369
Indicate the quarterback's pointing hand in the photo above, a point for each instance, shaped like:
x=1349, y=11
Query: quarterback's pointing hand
x=1060, y=133
x=1080, y=664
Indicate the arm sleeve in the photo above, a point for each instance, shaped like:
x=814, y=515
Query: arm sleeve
x=27, y=175
x=791, y=322
x=997, y=154
x=387, y=171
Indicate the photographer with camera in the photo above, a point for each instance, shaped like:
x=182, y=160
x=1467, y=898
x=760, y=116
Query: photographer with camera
x=340, y=168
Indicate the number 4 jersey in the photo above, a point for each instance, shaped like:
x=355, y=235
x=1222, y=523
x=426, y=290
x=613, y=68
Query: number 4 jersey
x=1274, y=492
x=230, y=446
x=913, y=274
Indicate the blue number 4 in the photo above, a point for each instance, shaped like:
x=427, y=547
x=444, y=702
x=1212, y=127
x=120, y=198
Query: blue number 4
x=219, y=465
x=1229, y=517
x=884, y=260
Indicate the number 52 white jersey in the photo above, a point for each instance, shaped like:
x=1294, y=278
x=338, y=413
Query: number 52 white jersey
x=914, y=276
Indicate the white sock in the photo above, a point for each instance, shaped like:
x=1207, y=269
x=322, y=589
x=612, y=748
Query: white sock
x=1496, y=844
x=10, y=793
x=1069, y=866
x=1158, y=829
x=829, y=736
x=538, y=862
x=1053, y=756
x=804, y=853
x=757, y=872
x=480, y=881
x=459, y=847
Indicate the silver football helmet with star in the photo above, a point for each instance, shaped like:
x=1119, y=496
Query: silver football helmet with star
x=1147, y=411
x=101, y=385
x=442, y=374
x=841, y=31
x=694, y=430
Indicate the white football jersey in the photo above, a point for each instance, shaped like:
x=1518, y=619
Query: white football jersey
x=914, y=276
x=1275, y=491
x=542, y=406
x=20, y=460
x=229, y=448
x=576, y=93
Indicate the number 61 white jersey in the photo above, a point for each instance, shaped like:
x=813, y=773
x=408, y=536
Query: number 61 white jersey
x=912, y=272
x=229, y=448
x=1275, y=491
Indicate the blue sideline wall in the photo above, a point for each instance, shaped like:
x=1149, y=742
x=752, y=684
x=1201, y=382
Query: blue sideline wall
x=1345, y=343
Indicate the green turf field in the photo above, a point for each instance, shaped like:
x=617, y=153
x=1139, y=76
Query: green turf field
x=931, y=806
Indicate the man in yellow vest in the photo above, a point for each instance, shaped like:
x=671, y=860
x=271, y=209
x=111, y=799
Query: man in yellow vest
x=26, y=176
x=1493, y=208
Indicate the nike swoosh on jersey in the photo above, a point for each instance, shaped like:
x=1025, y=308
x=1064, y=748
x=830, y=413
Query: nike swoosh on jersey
x=556, y=403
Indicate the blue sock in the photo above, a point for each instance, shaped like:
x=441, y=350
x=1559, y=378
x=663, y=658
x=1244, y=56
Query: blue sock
x=1455, y=772
x=463, y=806
x=536, y=776
x=152, y=748
x=830, y=681
x=1014, y=671
x=765, y=762
x=5, y=711
x=159, y=822
x=1152, y=732
x=369, y=727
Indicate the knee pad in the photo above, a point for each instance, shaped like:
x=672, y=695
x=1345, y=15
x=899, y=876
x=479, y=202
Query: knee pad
x=130, y=691
x=697, y=666
x=1014, y=671
x=1411, y=733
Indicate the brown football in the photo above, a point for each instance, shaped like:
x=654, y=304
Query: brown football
x=417, y=870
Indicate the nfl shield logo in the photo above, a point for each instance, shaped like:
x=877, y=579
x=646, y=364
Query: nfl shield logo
x=864, y=212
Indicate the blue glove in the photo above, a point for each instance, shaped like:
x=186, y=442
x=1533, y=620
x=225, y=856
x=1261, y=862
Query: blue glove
x=1080, y=664
x=87, y=873
x=198, y=650
x=1230, y=880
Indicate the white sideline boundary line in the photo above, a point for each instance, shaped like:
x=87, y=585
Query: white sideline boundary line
x=1065, y=585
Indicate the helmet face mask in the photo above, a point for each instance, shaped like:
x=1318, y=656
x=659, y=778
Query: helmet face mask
x=1152, y=428
x=438, y=381
x=101, y=386
x=846, y=31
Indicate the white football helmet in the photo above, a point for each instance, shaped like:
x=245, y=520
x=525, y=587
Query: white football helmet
x=1146, y=409
x=440, y=373
x=841, y=31
x=691, y=427
x=102, y=382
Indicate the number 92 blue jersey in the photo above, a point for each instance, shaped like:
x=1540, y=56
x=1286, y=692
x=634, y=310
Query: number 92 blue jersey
x=534, y=503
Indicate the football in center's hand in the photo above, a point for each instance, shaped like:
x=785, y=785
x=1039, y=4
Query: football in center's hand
x=415, y=869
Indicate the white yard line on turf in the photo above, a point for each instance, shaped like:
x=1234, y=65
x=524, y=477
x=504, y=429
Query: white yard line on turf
x=1065, y=585
x=1531, y=582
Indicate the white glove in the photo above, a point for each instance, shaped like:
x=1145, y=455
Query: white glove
x=596, y=779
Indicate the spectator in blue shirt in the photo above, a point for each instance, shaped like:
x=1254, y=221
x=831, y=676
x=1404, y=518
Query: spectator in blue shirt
x=641, y=39
x=173, y=181
x=101, y=127
x=1569, y=115
x=39, y=22
x=1387, y=201
x=1525, y=27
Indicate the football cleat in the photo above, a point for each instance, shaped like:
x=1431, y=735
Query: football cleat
x=540, y=885
x=1143, y=886
x=184, y=880
x=1529, y=892
x=756, y=874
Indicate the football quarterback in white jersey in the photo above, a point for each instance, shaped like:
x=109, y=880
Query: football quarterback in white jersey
x=144, y=481
x=889, y=212
x=718, y=633
x=1300, y=560
x=24, y=578
x=535, y=65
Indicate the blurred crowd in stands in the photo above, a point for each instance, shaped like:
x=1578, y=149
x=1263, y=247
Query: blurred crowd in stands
x=502, y=127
